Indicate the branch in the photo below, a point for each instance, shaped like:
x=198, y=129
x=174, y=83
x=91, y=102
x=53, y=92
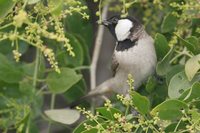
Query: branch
x=97, y=48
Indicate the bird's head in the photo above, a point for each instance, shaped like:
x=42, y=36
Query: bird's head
x=122, y=28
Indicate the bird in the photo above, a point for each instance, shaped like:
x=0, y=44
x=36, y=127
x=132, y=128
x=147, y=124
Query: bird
x=134, y=54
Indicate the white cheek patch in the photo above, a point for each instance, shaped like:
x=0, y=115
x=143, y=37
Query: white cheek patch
x=122, y=29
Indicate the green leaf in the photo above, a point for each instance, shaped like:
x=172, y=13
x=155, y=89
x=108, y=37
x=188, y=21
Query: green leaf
x=6, y=47
x=184, y=94
x=27, y=89
x=81, y=128
x=72, y=95
x=68, y=60
x=189, y=45
x=192, y=44
x=170, y=109
x=86, y=55
x=34, y=127
x=28, y=93
x=141, y=103
x=151, y=84
x=78, y=50
x=59, y=83
x=195, y=115
x=195, y=43
x=14, y=113
x=108, y=114
x=29, y=67
x=64, y=116
x=78, y=26
x=169, y=23
x=163, y=67
x=6, y=7
x=130, y=116
x=179, y=83
x=174, y=70
x=193, y=93
x=159, y=94
x=192, y=66
x=92, y=130
x=161, y=46
x=171, y=127
x=169, y=114
x=56, y=7
x=10, y=89
x=9, y=72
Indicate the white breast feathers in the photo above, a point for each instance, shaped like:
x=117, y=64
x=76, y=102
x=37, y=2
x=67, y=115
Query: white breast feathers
x=122, y=29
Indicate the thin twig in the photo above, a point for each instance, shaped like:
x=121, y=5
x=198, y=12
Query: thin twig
x=53, y=98
x=35, y=75
x=97, y=49
x=95, y=57
x=176, y=128
x=81, y=67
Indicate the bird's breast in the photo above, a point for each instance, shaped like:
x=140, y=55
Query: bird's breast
x=139, y=60
x=140, y=53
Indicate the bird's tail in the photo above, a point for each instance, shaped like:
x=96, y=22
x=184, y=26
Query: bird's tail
x=106, y=87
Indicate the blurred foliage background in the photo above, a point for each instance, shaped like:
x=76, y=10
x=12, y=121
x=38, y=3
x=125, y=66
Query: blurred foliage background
x=45, y=48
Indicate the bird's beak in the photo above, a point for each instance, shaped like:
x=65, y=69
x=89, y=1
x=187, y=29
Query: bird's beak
x=105, y=23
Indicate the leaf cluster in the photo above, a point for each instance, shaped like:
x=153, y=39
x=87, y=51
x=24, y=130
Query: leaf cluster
x=172, y=115
x=56, y=38
x=42, y=50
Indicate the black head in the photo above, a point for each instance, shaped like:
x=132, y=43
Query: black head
x=111, y=21
x=119, y=27
x=111, y=24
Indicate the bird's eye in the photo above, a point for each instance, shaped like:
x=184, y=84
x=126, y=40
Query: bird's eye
x=114, y=20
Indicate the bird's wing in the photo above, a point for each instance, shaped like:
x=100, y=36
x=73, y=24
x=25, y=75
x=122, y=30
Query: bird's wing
x=114, y=65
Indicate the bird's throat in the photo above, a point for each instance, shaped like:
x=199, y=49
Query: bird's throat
x=125, y=45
